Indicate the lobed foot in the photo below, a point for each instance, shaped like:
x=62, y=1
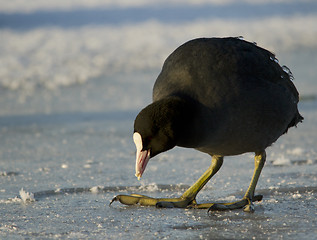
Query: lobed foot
x=143, y=200
x=245, y=203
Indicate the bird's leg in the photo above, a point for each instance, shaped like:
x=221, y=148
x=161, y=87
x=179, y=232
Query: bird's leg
x=249, y=198
x=187, y=199
x=259, y=161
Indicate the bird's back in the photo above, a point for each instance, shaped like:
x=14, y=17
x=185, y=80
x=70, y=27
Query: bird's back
x=240, y=87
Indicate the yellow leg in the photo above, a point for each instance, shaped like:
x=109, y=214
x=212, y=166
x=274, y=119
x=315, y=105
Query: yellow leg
x=188, y=198
x=259, y=161
x=249, y=197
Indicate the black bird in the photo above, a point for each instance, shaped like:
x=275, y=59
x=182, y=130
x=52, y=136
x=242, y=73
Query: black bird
x=221, y=96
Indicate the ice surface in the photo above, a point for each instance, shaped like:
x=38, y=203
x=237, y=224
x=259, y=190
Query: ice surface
x=68, y=101
x=72, y=201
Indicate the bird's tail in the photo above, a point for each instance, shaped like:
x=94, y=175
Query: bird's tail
x=296, y=119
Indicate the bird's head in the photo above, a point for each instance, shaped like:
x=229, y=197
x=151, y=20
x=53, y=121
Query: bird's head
x=155, y=131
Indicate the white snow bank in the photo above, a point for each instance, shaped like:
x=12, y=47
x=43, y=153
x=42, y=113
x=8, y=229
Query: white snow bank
x=53, y=57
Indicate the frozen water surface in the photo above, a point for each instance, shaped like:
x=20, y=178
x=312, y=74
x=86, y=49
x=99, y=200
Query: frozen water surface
x=75, y=163
x=68, y=99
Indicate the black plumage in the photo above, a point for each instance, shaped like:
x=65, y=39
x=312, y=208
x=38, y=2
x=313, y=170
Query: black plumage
x=222, y=96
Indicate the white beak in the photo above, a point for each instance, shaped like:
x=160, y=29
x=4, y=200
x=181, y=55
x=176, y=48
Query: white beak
x=142, y=157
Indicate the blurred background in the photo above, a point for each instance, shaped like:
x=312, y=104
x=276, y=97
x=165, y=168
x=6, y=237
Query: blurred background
x=100, y=55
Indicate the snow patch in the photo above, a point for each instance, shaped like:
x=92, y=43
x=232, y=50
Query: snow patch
x=9, y=227
x=64, y=165
x=10, y=200
x=230, y=198
x=87, y=165
x=282, y=160
x=272, y=200
x=26, y=196
x=296, y=151
x=149, y=188
x=96, y=189
x=296, y=195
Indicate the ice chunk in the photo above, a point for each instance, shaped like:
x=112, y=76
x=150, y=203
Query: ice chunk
x=296, y=195
x=26, y=196
x=64, y=165
x=96, y=189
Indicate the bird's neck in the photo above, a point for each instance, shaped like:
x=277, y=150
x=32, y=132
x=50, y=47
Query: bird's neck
x=181, y=115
